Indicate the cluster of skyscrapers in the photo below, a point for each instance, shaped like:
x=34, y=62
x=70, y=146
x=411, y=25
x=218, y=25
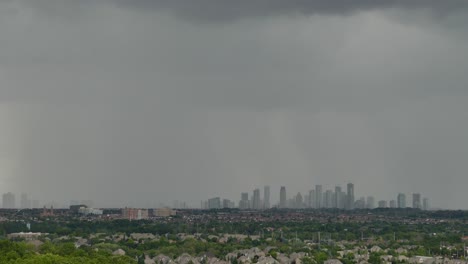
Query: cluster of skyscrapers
x=9, y=201
x=256, y=202
x=316, y=198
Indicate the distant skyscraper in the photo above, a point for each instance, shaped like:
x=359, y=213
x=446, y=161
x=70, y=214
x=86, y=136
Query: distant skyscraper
x=214, y=203
x=370, y=202
x=227, y=203
x=266, y=197
x=382, y=204
x=338, y=198
x=425, y=204
x=9, y=200
x=299, y=201
x=393, y=204
x=256, y=203
x=312, y=198
x=328, y=201
x=25, y=202
x=244, y=202
x=417, y=200
x=401, y=200
x=318, y=196
x=282, y=197
x=350, y=196
x=361, y=203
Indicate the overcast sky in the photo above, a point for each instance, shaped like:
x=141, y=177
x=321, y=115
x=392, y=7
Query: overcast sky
x=141, y=102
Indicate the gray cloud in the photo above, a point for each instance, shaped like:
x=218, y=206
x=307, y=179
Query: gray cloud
x=225, y=10
x=228, y=10
x=129, y=105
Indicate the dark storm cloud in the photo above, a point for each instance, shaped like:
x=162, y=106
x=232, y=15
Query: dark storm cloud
x=109, y=95
x=236, y=9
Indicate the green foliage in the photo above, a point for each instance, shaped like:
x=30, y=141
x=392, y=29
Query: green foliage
x=348, y=259
x=374, y=258
x=308, y=260
x=49, y=253
x=386, y=234
x=320, y=257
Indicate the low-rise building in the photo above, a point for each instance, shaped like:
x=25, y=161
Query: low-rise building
x=164, y=212
x=134, y=213
x=27, y=236
x=89, y=211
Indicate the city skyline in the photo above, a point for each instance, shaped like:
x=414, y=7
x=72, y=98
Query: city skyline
x=317, y=199
x=329, y=199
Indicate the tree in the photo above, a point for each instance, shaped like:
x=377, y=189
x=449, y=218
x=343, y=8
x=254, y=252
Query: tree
x=320, y=257
x=374, y=258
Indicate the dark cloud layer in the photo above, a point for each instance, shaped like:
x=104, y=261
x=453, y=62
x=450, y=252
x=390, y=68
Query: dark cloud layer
x=229, y=9
x=131, y=102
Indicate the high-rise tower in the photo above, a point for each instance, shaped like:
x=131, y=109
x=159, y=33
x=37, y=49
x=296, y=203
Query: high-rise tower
x=312, y=198
x=318, y=196
x=282, y=203
x=401, y=200
x=425, y=204
x=417, y=200
x=350, y=196
x=244, y=202
x=299, y=202
x=266, y=197
x=370, y=202
x=338, y=199
x=256, y=204
x=9, y=200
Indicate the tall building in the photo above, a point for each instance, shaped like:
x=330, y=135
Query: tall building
x=282, y=203
x=328, y=199
x=9, y=200
x=350, y=196
x=25, y=201
x=338, y=199
x=360, y=203
x=214, y=203
x=244, y=202
x=425, y=204
x=370, y=202
x=417, y=200
x=401, y=200
x=299, y=203
x=256, y=203
x=266, y=197
x=382, y=204
x=393, y=204
x=312, y=198
x=227, y=203
x=318, y=196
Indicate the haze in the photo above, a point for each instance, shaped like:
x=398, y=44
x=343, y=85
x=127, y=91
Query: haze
x=136, y=103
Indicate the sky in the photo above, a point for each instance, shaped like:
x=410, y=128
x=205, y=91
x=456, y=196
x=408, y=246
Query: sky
x=143, y=102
